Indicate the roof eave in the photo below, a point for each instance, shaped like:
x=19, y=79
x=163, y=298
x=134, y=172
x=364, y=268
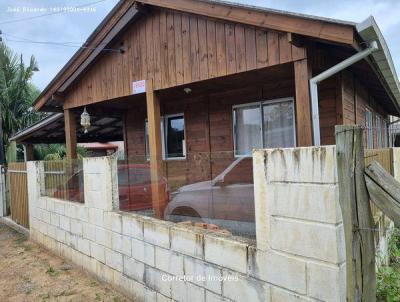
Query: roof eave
x=39, y=102
x=40, y=124
x=369, y=31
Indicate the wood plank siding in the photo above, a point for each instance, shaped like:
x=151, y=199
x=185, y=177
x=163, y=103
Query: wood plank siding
x=175, y=48
x=313, y=27
x=343, y=97
x=342, y=101
x=208, y=130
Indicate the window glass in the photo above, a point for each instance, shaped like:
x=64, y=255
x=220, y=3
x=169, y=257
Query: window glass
x=368, y=124
x=385, y=133
x=247, y=129
x=269, y=124
x=175, y=136
x=378, y=128
x=278, y=125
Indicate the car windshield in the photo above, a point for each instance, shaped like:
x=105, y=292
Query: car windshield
x=235, y=173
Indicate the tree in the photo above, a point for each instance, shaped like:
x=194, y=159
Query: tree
x=17, y=94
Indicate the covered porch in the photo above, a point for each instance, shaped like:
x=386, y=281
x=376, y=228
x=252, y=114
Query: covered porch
x=188, y=148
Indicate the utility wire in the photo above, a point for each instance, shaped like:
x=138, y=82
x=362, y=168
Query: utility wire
x=63, y=44
x=49, y=14
x=52, y=42
x=23, y=39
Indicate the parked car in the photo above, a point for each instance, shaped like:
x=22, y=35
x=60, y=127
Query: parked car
x=134, y=187
x=213, y=200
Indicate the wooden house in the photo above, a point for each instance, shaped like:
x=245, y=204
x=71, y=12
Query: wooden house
x=191, y=85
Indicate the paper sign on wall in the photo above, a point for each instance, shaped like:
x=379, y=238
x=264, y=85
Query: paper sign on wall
x=139, y=87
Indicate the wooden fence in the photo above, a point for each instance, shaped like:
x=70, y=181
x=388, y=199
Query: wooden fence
x=356, y=213
x=18, y=193
x=385, y=158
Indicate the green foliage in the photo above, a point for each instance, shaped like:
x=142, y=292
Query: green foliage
x=49, y=152
x=17, y=93
x=55, y=152
x=11, y=152
x=51, y=271
x=388, y=277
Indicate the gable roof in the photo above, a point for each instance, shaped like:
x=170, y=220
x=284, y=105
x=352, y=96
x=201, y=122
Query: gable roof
x=331, y=30
x=369, y=31
x=316, y=27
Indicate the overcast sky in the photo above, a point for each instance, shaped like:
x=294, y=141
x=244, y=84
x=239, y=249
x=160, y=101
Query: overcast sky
x=77, y=26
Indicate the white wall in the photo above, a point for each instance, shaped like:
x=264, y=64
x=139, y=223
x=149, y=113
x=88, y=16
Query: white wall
x=298, y=256
x=298, y=216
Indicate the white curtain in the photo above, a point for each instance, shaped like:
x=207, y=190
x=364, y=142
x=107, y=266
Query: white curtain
x=279, y=125
x=248, y=129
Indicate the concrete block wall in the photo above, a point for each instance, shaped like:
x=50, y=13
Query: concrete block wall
x=298, y=219
x=297, y=255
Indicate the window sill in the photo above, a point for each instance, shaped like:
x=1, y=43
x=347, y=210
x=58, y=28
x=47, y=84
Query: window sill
x=175, y=159
x=243, y=156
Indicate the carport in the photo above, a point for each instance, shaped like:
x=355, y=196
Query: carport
x=51, y=130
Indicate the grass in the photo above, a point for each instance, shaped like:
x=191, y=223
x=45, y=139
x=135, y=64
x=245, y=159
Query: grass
x=51, y=271
x=388, y=277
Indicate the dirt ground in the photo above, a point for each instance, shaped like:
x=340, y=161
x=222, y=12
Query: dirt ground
x=28, y=272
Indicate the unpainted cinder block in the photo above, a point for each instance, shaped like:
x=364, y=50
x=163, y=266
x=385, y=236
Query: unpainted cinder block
x=226, y=252
x=313, y=240
x=204, y=274
x=134, y=269
x=132, y=227
x=326, y=283
x=241, y=288
x=279, y=269
x=169, y=261
x=157, y=233
x=187, y=242
x=114, y=260
x=97, y=251
x=186, y=291
x=143, y=251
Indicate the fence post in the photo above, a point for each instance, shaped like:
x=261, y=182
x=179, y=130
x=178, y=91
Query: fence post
x=3, y=203
x=356, y=212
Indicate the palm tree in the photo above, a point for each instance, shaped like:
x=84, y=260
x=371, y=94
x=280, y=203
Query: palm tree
x=17, y=94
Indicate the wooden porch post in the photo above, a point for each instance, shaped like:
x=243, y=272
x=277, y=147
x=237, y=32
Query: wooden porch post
x=28, y=152
x=153, y=119
x=70, y=133
x=302, y=75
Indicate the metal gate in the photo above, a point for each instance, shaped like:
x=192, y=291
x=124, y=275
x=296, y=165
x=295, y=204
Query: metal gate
x=18, y=193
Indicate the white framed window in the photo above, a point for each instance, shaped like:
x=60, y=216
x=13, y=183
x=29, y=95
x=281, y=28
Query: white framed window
x=172, y=137
x=369, y=126
x=265, y=124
